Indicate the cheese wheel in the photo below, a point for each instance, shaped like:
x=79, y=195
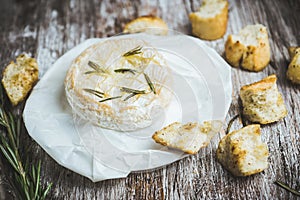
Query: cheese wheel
x=119, y=84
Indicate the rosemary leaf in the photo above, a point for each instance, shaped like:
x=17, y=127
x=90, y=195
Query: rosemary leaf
x=46, y=191
x=94, y=92
x=110, y=98
x=123, y=70
x=32, y=172
x=150, y=83
x=129, y=96
x=96, y=67
x=288, y=188
x=37, y=180
x=134, y=51
x=9, y=159
x=129, y=90
x=92, y=72
x=230, y=123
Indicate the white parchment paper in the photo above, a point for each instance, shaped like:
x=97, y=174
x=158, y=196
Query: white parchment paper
x=201, y=91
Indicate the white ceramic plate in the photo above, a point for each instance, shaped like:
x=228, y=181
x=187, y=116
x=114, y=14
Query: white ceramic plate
x=201, y=91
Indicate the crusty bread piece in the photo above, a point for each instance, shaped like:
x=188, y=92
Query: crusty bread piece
x=242, y=152
x=293, y=51
x=262, y=101
x=250, y=48
x=188, y=137
x=210, y=22
x=19, y=78
x=149, y=24
x=293, y=72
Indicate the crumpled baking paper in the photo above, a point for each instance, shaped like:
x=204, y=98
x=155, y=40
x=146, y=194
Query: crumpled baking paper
x=201, y=91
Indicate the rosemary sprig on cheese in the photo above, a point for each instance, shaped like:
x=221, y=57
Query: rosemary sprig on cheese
x=123, y=70
x=110, y=98
x=97, y=68
x=94, y=92
x=150, y=83
x=100, y=95
x=129, y=96
x=129, y=90
x=134, y=51
x=132, y=92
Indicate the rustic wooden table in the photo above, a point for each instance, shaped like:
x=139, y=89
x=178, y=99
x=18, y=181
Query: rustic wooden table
x=47, y=29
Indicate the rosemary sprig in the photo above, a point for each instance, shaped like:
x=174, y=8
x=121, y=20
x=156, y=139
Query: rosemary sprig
x=150, y=83
x=129, y=96
x=288, y=188
x=26, y=182
x=93, y=72
x=123, y=70
x=230, y=123
x=94, y=92
x=134, y=51
x=110, y=98
x=129, y=90
x=97, y=68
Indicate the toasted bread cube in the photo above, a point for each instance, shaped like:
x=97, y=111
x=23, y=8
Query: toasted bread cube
x=293, y=51
x=293, y=72
x=242, y=152
x=262, y=101
x=210, y=22
x=250, y=48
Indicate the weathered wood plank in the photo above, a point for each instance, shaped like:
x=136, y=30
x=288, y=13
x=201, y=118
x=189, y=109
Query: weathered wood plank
x=47, y=29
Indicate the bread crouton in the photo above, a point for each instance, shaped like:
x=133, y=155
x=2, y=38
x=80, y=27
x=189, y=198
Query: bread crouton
x=189, y=137
x=149, y=24
x=293, y=72
x=242, y=152
x=293, y=51
x=250, y=48
x=19, y=78
x=262, y=101
x=210, y=22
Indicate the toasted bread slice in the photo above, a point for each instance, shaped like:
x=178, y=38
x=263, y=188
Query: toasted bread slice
x=293, y=72
x=210, y=22
x=189, y=137
x=242, y=152
x=19, y=78
x=149, y=24
x=250, y=48
x=262, y=101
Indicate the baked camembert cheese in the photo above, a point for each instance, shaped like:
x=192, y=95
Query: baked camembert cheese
x=118, y=84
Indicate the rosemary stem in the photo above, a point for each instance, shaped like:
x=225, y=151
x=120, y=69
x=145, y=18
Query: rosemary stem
x=288, y=188
x=230, y=123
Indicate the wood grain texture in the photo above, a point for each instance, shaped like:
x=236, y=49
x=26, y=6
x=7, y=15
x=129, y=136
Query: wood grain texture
x=48, y=28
